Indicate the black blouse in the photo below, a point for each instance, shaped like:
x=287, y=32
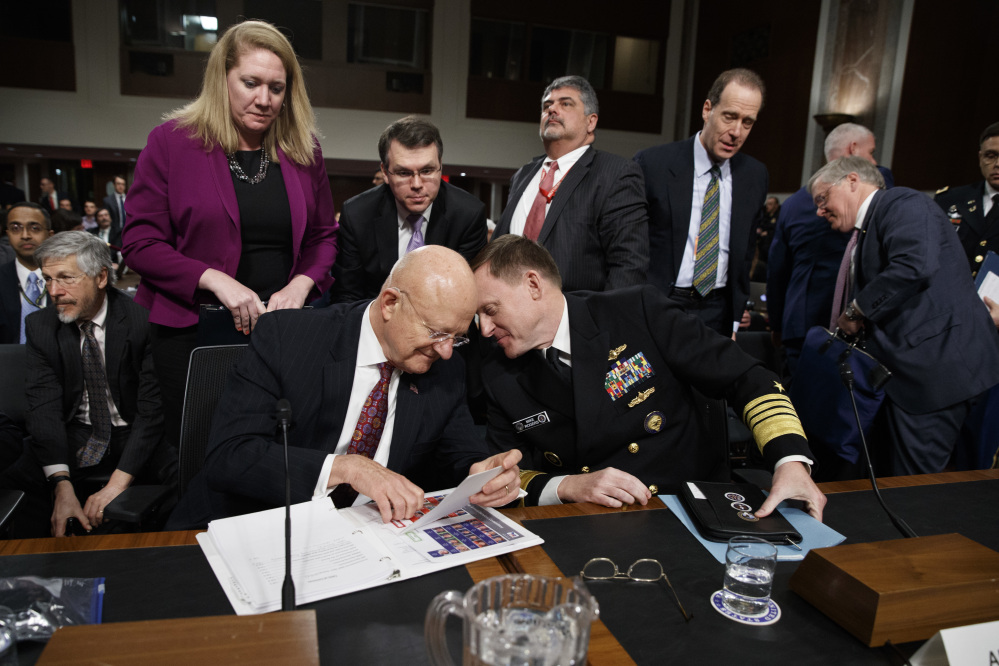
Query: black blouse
x=265, y=227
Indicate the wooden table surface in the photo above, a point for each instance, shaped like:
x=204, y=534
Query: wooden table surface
x=604, y=648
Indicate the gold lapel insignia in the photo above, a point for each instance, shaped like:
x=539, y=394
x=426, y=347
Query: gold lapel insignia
x=614, y=353
x=642, y=395
x=943, y=189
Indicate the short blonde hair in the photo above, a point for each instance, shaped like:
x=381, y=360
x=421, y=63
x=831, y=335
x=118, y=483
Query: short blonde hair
x=210, y=117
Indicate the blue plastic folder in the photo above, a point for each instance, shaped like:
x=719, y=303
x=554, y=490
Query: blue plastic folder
x=813, y=533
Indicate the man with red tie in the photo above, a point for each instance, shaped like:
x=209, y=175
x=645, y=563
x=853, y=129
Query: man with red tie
x=585, y=206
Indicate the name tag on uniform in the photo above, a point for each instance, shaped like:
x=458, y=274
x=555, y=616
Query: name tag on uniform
x=531, y=422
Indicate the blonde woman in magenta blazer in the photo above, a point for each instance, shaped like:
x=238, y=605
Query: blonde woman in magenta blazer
x=184, y=234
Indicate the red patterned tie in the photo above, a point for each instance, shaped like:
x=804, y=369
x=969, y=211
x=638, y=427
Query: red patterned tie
x=536, y=218
x=368, y=431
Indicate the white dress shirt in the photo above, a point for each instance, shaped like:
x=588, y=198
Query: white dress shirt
x=565, y=163
x=366, y=376
x=702, y=178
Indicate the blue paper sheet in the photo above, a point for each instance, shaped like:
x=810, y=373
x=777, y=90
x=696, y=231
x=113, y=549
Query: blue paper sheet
x=813, y=533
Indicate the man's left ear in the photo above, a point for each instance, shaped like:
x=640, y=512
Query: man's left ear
x=102, y=279
x=591, y=123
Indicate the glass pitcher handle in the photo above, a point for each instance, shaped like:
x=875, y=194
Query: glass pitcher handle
x=443, y=605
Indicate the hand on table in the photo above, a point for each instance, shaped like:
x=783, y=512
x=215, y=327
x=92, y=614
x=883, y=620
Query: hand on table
x=792, y=481
x=609, y=487
x=506, y=486
x=396, y=496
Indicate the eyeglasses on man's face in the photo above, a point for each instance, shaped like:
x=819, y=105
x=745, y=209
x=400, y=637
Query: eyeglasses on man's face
x=64, y=280
x=436, y=337
x=645, y=570
x=989, y=157
x=821, y=200
x=425, y=173
x=32, y=227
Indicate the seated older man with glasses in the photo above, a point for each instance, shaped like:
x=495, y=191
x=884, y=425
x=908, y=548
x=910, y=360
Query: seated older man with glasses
x=378, y=403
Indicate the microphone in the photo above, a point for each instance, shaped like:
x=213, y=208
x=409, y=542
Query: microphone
x=288, y=589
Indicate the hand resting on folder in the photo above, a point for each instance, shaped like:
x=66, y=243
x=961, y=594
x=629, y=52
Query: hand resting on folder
x=792, y=481
x=398, y=498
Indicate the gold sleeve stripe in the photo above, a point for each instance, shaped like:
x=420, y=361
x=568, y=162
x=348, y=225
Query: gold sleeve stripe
x=771, y=416
x=526, y=476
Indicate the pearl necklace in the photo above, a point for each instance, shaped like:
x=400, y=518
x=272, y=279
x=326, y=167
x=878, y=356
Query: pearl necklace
x=237, y=170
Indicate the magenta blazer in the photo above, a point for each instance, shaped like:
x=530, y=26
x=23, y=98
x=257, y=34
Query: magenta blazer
x=182, y=219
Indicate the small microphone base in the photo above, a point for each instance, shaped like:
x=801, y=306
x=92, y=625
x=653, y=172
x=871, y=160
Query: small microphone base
x=902, y=590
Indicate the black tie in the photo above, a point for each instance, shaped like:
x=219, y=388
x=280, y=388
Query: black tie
x=563, y=370
x=993, y=215
x=100, y=414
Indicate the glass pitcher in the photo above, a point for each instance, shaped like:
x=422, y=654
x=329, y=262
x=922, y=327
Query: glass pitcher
x=515, y=620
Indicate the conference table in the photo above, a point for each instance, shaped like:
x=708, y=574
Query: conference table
x=152, y=576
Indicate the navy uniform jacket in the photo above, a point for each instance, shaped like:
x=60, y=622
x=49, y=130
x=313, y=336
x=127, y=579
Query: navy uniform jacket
x=963, y=205
x=924, y=320
x=596, y=228
x=308, y=357
x=368, y=240
x=656, y=439
x=669, y=188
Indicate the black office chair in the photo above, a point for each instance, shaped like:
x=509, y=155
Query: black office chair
x=206, y=378
x=13, y=402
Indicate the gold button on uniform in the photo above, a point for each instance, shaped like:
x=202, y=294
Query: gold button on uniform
x=978, y=259
x=984, y=243
x=633, y=448
x=654, y=489
x=585, y=470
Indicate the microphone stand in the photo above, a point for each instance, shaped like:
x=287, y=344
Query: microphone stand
x=846, y=375
x=288, y=589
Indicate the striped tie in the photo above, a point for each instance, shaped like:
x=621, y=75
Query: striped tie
x=706, y=254
x=100, y=414
x=33, y=297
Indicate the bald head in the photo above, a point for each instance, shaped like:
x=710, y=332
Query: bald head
x=428, y=296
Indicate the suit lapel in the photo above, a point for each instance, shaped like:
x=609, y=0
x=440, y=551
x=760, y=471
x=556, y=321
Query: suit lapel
x=407, y=418
x=680, y=184
x=115, y=330
x=338, y=372
x=68, y=337
x=973, y=216
x=866, y=229
x=589, y=368
x=296, y=198
x=219, y=168
x=517, y=187
x=386, y=230
x=566, y=187
x=437, y=224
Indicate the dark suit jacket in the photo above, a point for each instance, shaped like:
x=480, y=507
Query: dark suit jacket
x=669, y=186
x=963, y=205
x=369, y=237
x=10, y=305
x=111, y=203
x=804, y=263
x=308, y=357
x=585, y=430
x=55, y=382
x=924, y=320
x=596, y=227
x=115, y=238
x=46, y=202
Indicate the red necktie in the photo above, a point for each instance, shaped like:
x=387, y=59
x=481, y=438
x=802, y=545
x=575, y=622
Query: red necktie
x=536, y=218
x=368, y=431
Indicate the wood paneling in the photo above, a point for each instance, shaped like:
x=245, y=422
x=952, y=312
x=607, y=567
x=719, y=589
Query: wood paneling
x=784, y=62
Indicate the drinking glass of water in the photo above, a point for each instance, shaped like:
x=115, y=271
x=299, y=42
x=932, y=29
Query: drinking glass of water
x=749, y=574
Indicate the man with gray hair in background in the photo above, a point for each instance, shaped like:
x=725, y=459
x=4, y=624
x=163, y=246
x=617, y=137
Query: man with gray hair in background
x=93, y=402
x=805, y=255
x=911, y=293
x=585, y=206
